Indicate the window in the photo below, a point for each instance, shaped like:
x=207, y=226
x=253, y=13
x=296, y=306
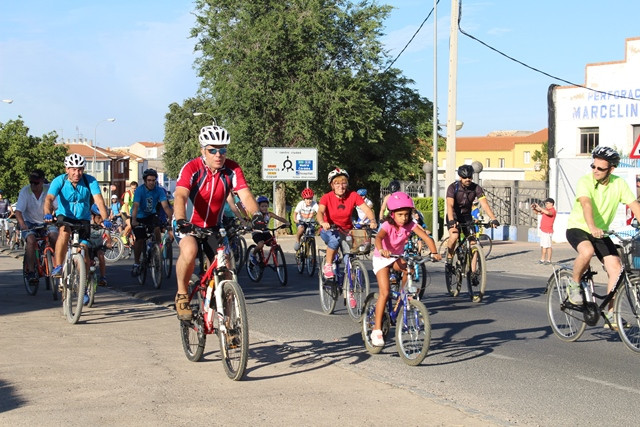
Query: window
x=98, y=167
x=527, y=157
x=589, y=139
x=487, y=162
x=501, y=162
x=88, y=167
x=121, y=168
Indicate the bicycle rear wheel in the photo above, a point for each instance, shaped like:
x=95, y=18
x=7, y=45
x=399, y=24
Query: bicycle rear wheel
x=116, y=251
x=359, y=288
x=54, y=283
x=234, y=334
x=487, y=244
x=310, y=257
x=155, y=265
x=301, y=254
x=255, y=269
x=413, y=333
x=30, y=285
x=568, y=324
x=328, y=293
x=627, y=314
x=75, y=285
x=192, y=332
x=477, y=281
x=369, y=323
x=167, y=258
x=92, y=284
x=281, y=266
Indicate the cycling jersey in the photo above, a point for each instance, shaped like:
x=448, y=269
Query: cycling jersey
x=74, y=202
x=148, y=199
x=463, y=198
x=208, y=190
x=338, y=209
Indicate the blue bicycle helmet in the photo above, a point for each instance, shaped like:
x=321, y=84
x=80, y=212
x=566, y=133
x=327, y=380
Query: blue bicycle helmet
x=262, y=199
x=95, y=210
x=362, y=192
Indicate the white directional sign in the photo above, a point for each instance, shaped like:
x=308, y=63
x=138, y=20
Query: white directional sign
x=290, y=164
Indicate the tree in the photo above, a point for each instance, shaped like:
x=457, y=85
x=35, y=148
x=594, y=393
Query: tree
x=20, y=153
x=542, y=156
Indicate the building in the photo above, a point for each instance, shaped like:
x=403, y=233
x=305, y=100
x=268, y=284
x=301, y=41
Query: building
x=145, y=155
x=604, y=112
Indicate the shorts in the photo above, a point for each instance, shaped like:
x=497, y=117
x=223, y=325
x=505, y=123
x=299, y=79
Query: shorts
x=140, y=231
x=380, y=262
x=602, y=247
x=4, y=224
x=261, y=236
x=26, y=233
x=333, y=239
x=545, y=239
x=84, y=232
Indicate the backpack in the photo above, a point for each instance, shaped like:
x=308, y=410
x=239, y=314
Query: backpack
x=130, y=197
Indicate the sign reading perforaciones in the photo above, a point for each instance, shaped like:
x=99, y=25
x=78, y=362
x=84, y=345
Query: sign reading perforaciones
x=290, y=164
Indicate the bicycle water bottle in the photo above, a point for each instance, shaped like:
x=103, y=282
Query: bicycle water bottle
x=221, y=258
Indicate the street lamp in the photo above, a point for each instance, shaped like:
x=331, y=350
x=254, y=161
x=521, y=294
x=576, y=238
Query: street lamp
x=95, y=142
x=197, y=114
x=7, y=101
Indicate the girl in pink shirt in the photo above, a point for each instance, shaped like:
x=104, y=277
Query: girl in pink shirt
x=390, y=240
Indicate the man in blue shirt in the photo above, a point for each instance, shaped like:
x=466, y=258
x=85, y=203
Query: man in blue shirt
x=144, y=213
x=74, y=191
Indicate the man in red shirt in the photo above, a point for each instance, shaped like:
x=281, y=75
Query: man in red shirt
x=206, y=182
x=336, y=207
x=546, y=228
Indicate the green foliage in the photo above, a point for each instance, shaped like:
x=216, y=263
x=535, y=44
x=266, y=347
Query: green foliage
x=425, y=205
x=542, y=156
x=20, y=153
x=305, y=73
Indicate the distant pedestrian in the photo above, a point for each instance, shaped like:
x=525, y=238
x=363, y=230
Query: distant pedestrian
x=546, y=228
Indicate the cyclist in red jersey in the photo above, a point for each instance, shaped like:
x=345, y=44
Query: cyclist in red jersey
x=207, y=183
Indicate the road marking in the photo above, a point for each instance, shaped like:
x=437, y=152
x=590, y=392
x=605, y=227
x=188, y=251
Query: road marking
x=314, y=312
x=500, y=356
x=261, y=300
x=619, y=387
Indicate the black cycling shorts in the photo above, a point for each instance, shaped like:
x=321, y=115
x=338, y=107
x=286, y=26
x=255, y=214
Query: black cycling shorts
x=140, y=231
x=602, y=247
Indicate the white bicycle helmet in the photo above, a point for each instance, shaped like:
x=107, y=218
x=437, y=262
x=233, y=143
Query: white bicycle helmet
x=214, y=135
x=337, y=172
x=606, y=153
x=74, y=161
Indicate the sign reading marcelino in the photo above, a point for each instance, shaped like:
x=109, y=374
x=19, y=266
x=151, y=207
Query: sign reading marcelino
x=290, y=164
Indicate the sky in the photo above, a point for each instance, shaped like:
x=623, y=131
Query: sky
x=70, y=65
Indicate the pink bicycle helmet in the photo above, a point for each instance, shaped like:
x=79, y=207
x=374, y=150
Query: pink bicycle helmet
x=399, y=200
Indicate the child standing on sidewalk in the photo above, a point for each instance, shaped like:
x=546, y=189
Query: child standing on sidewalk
x=546, y=228
x=390, y=240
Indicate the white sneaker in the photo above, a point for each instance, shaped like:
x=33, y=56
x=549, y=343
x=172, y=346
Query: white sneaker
x=573, y=293
x=377, y=339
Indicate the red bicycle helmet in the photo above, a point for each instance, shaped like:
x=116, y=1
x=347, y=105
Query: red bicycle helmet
x=307, y=193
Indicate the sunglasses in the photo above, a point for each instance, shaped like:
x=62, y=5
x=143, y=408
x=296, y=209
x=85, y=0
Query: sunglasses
x=214, y=151
x=600, y=169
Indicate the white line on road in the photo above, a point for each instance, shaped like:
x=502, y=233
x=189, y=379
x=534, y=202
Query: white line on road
x=314, y=312
x=500, y=356
x=619, y=387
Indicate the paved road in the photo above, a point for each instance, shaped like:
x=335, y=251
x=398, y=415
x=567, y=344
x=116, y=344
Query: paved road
x=494, y=363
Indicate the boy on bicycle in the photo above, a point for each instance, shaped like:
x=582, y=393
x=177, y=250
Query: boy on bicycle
x=262, y=236
x=305, y=212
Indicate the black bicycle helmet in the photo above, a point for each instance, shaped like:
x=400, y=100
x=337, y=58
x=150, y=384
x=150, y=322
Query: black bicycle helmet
x=606, y=153
x=394, y=186
x=149, y=172
x=465, y=171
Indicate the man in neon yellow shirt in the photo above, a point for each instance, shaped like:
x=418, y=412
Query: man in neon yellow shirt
x=597, y=198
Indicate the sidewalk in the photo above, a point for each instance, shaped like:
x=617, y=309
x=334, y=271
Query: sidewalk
x=127, y=367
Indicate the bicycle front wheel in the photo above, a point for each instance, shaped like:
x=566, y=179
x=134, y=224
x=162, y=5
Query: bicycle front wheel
x=52, y=282
x=369, y=323
x=627, y=314
x=167, y=258
x=192, y=332
x=452, y=276
x=443, y=248
x=413, y=333
x=301, y=257
x=566, y=323
x=477, y=280
x=310, y=257
x=234, y=334
x=281, y=266
x=30, y=285
x=254, y=264
x=142, y=273
x=484, y=240
x=116, y=251
x=358, y=288
x=75, y=279
x=328, y=293
x=155, y=264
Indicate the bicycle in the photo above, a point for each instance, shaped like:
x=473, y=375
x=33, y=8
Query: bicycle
x=306, y=253
x=569, y=321
x=218, y=307
x=404, y=311
x=352, y=281
x=256, y=261
x=465, y=256
x=74, y=275
x=116, y=251
x=42, y=263
x=237, y=243
x=420, y=273
x=150, y=258
x=167, y=252
x=94, y=263
x=484, y=240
